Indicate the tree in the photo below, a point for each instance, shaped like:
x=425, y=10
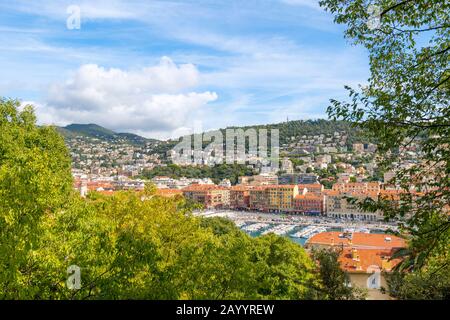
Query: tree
x=334, y=282
x=35, y=181
x=405, y=106
x=130, y=245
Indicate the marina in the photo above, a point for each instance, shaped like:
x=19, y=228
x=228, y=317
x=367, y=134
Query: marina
x=309, y=231
x=280, y=229
x=297, y=228
x=254, y=227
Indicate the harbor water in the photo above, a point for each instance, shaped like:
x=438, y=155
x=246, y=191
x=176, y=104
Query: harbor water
x=297, y=228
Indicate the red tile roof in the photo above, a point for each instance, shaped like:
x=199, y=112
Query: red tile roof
x=367, y=260
x=359, y=240
x=203, y=187
x=169, y=192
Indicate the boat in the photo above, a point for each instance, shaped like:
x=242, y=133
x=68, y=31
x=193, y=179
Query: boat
x=280, y=229
x=309, y=231
x=255, y=227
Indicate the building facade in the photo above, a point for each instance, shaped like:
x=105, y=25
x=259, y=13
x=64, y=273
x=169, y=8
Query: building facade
x=211, y=196
x=240, y=197
x=281, y=197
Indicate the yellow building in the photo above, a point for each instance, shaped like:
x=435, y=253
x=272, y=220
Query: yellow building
x=370, y=187
x=281, y=197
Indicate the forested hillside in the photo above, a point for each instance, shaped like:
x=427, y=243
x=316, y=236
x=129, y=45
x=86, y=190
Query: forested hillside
x=292, y=130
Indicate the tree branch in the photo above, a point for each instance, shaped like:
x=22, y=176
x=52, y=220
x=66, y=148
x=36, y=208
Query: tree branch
x=395, y=7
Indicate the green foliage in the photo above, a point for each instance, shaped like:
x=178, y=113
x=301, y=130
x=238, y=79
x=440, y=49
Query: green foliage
x=154, y=249
x=295, y=129
x=98, y=132
x=296, y=162
x=131, y=245
x=334, y=282
x=406, y=103
x=430, y=283
x=35, y=181
x=217, y=172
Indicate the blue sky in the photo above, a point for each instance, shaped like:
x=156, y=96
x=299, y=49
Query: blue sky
x=160, y=68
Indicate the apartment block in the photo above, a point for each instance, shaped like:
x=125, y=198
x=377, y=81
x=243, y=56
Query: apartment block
x=339, y=206
x=309, y=203
x=240, y=197
x=281, y=197
x=361, y=187
x=259, y=200
x=211, y=196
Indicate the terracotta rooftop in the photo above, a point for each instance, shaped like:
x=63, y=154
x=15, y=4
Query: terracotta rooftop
x=107, y=192
x=310, y=186
x=359, y=240
x=203, y=187
x=99, y=185
x=241, y=188
x=367, y=260
x=329, y=192
x=259, y=188
x=168, y=192
x=281, y=186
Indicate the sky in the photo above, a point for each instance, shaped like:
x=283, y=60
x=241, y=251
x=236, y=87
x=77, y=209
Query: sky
x=163, y=68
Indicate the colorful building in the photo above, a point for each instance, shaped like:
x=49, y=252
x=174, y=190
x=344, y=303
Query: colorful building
x=281, y=197
x=240, y=197
x=342, y=205
x=365, y=257
x=310, y=204
x=211, y=196
x=259, y=199
x=361, y=187
x=169, y=193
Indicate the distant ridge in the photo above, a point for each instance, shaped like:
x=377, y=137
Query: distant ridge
x=288, y=130
x=95, y=131
x=291, y=130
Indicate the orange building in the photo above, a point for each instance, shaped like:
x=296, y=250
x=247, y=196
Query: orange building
x=364, y=256
x=259, y=199
x=240, y=197
x=309, y=203
x=211, y=196
x=281, y=197
x=169, y=193
x=315, y=188
x=367, y=268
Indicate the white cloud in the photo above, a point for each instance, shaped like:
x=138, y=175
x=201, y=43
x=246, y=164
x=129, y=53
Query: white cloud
x=153, y=99
x=265, y=64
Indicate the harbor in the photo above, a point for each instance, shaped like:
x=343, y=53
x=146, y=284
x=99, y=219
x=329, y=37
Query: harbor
x=298, y=228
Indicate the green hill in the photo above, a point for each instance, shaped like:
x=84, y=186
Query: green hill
x=292, y=129
x=95, y=131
